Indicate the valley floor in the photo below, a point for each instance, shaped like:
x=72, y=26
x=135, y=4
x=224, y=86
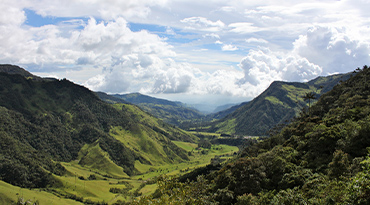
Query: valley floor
x=83, y=184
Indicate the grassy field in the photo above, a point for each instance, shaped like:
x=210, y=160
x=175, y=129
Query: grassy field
x=9, y=194
x=93, y=183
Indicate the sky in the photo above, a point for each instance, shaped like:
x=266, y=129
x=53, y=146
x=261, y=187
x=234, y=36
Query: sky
x=201, y=52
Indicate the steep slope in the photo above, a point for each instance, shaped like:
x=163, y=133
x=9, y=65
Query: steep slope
x=321, y=157
x=43, y=122
x=276, y=105
x=169, y=111
x=110, y=99
x=223, y=113
x=11, y=69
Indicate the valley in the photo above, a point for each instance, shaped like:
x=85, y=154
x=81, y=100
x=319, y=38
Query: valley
x=107, y=183
x=64, y=144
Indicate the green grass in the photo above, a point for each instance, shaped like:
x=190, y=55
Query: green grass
x=227, y=126
x=94, y=190
x=296, y=94
x=185, y=145
x=142, y=144
x=275, y=101
x=94, y=158
x=98, y=190
x=10, y=193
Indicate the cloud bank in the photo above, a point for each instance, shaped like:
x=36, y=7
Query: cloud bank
x=227, y=48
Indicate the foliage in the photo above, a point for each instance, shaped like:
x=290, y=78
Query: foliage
x=278, y=104
x=321, y=157
x=171, y=112
x=171, y=191
x=48, y=120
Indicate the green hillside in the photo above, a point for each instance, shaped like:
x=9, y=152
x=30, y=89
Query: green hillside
x=44, y=122
x=321, y=157
x=276, y=105
x=171, y=112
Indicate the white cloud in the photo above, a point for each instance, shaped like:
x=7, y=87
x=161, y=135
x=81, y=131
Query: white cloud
x=229, y=47
x=107, y=10
x=301, y=39
x=170, y=31
x=10, y=14
x=332, y=49
x=244, y=28
x=256, y=40
x=321, y=51
x=201, y=23
x=211, y=35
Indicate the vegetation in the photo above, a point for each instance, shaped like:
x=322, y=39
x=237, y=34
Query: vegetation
x=322, y=158
x=46, y=121
x=171, y=112
x=59, y=143
x=278, y=104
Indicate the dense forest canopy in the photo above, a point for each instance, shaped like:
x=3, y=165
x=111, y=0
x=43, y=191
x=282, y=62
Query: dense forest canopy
x=48, y=120
x=321, y=157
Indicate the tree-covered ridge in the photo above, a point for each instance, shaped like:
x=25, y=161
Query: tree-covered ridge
x=45, y=121
x=276, y=105
x=321, y=157
x=171, y=112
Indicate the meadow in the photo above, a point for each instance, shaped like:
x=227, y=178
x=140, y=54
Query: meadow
x=106, y=182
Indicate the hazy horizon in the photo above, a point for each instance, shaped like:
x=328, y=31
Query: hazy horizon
x=190, y=51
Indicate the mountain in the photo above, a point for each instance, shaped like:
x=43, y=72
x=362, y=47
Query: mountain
x=12, y=69
x=279, y=103
x=223, y=107
x=224, y=112
x=45, y=122
x=110, y=99
x=169, y=111
x=321, y=157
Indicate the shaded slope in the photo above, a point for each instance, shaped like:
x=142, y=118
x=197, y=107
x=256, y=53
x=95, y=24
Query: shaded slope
x=223, y=113
x=45, y=121
x=169, y=111
x=276, y=105
x=321, y=157
x=315, y=159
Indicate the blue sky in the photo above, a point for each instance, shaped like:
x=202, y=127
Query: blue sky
x=208, y=51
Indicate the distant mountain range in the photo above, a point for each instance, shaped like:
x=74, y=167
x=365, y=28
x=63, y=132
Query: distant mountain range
x=279, y=103
x=169, y=111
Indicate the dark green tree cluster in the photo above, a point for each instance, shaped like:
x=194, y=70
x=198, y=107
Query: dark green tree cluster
x=44, y=121
x=321, y=157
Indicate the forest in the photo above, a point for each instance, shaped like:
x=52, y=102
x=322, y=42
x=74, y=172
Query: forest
x=320, y=157
x=55, y=133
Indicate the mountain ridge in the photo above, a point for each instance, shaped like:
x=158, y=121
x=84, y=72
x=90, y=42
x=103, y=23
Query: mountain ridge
x=278, y=104
x=53, y=120
x=172, y=112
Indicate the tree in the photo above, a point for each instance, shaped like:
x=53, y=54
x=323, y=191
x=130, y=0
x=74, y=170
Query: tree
x=309, y=96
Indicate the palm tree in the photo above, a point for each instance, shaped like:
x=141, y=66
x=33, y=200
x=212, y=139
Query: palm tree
x=309, y=96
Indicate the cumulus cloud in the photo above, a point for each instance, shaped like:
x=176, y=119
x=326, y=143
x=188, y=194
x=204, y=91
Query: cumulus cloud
x=332, y=49
x=201, y=23
x=322, y=51
x=229, y=47
x=300, y=41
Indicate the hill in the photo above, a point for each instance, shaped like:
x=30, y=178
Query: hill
x=169, y=111
x=278, y=104
x=321, y=157
x=45, y=122
x=223, y=113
